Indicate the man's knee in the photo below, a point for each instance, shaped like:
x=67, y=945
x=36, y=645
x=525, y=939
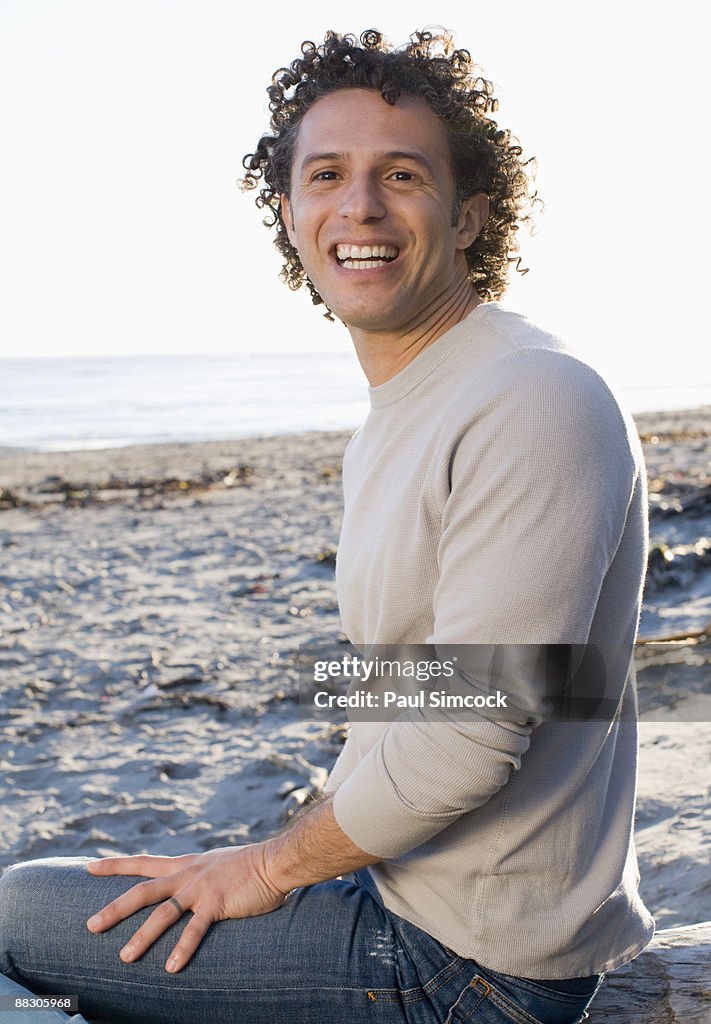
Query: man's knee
x=28, y=892
x=16, y=889
x=16, y=902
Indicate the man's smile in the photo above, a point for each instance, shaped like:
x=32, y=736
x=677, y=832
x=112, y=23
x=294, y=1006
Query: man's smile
x=365, y=257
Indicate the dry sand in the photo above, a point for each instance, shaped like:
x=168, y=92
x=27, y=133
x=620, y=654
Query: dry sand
x=153, y=602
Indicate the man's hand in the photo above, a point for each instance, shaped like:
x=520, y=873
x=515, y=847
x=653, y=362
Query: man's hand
x=235, y=881
x=224, y=883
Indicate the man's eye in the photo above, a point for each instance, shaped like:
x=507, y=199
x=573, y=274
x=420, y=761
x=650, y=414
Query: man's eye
x=325, y=176
x=403, y=175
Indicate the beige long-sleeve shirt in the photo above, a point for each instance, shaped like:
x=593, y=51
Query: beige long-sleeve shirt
x=496, y=495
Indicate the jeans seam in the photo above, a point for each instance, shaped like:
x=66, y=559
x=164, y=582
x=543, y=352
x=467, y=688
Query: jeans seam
x=465, y=992
x=393, y=995
x=430, y=988
x=419, y=993
x=212, y=988
x=535, y=988
x=517, y=1013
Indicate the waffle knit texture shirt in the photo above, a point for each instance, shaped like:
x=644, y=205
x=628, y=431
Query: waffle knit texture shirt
x=496, y=495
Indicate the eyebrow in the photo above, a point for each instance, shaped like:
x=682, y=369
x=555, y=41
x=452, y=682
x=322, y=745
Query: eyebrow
x=395, y=154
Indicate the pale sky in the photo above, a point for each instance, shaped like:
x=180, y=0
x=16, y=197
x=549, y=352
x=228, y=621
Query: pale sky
x=124, y=123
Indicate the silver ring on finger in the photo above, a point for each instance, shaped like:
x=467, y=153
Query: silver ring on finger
x=177, y=904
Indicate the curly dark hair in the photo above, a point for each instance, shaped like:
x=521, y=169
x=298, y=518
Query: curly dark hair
x=484, y=157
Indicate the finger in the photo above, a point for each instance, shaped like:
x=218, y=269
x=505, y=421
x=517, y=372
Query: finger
x=193, y=934
x=151, y=867
x=152, y=928
x=138, y=896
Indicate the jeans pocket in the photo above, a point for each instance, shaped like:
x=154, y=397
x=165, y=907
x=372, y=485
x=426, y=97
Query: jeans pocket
x=470, y=1001
x=499, y=999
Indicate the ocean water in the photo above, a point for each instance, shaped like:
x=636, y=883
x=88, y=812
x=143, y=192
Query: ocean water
x=58, y=404
x=53, y=404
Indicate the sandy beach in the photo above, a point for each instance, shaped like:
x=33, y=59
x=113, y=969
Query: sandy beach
x=153, y=602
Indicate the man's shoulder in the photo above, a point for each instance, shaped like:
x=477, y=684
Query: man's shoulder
x=515, y=332
x=511, y=371
x=501, y=350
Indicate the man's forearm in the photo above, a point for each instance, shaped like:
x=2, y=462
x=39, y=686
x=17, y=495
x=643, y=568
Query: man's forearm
x=313, y=849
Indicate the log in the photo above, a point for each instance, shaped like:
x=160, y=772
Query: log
x=669, y=982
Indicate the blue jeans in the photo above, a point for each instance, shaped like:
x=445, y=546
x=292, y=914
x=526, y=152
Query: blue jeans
x=331, y=954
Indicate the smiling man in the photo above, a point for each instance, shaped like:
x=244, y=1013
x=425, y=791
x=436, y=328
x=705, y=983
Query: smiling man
x=477, y=868
x=376, y=222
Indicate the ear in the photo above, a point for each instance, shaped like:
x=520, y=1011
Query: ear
x=287, y=217
x=472, y=217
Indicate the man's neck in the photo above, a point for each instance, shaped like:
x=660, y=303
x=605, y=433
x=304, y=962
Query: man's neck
x=384, y=354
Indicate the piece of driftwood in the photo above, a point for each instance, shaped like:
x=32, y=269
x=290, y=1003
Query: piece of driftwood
x=669, y=982
x=689, y=634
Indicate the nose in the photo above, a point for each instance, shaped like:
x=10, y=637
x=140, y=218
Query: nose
x=361, y=200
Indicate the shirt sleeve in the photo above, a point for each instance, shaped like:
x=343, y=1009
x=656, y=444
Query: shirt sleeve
x=534, y=492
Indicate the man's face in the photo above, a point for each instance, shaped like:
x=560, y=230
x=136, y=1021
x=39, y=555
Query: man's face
x=370, y=211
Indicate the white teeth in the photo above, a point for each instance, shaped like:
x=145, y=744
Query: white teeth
x=366, y=252
x=362, y=264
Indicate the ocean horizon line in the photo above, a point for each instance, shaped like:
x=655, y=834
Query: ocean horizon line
x=63, y=403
